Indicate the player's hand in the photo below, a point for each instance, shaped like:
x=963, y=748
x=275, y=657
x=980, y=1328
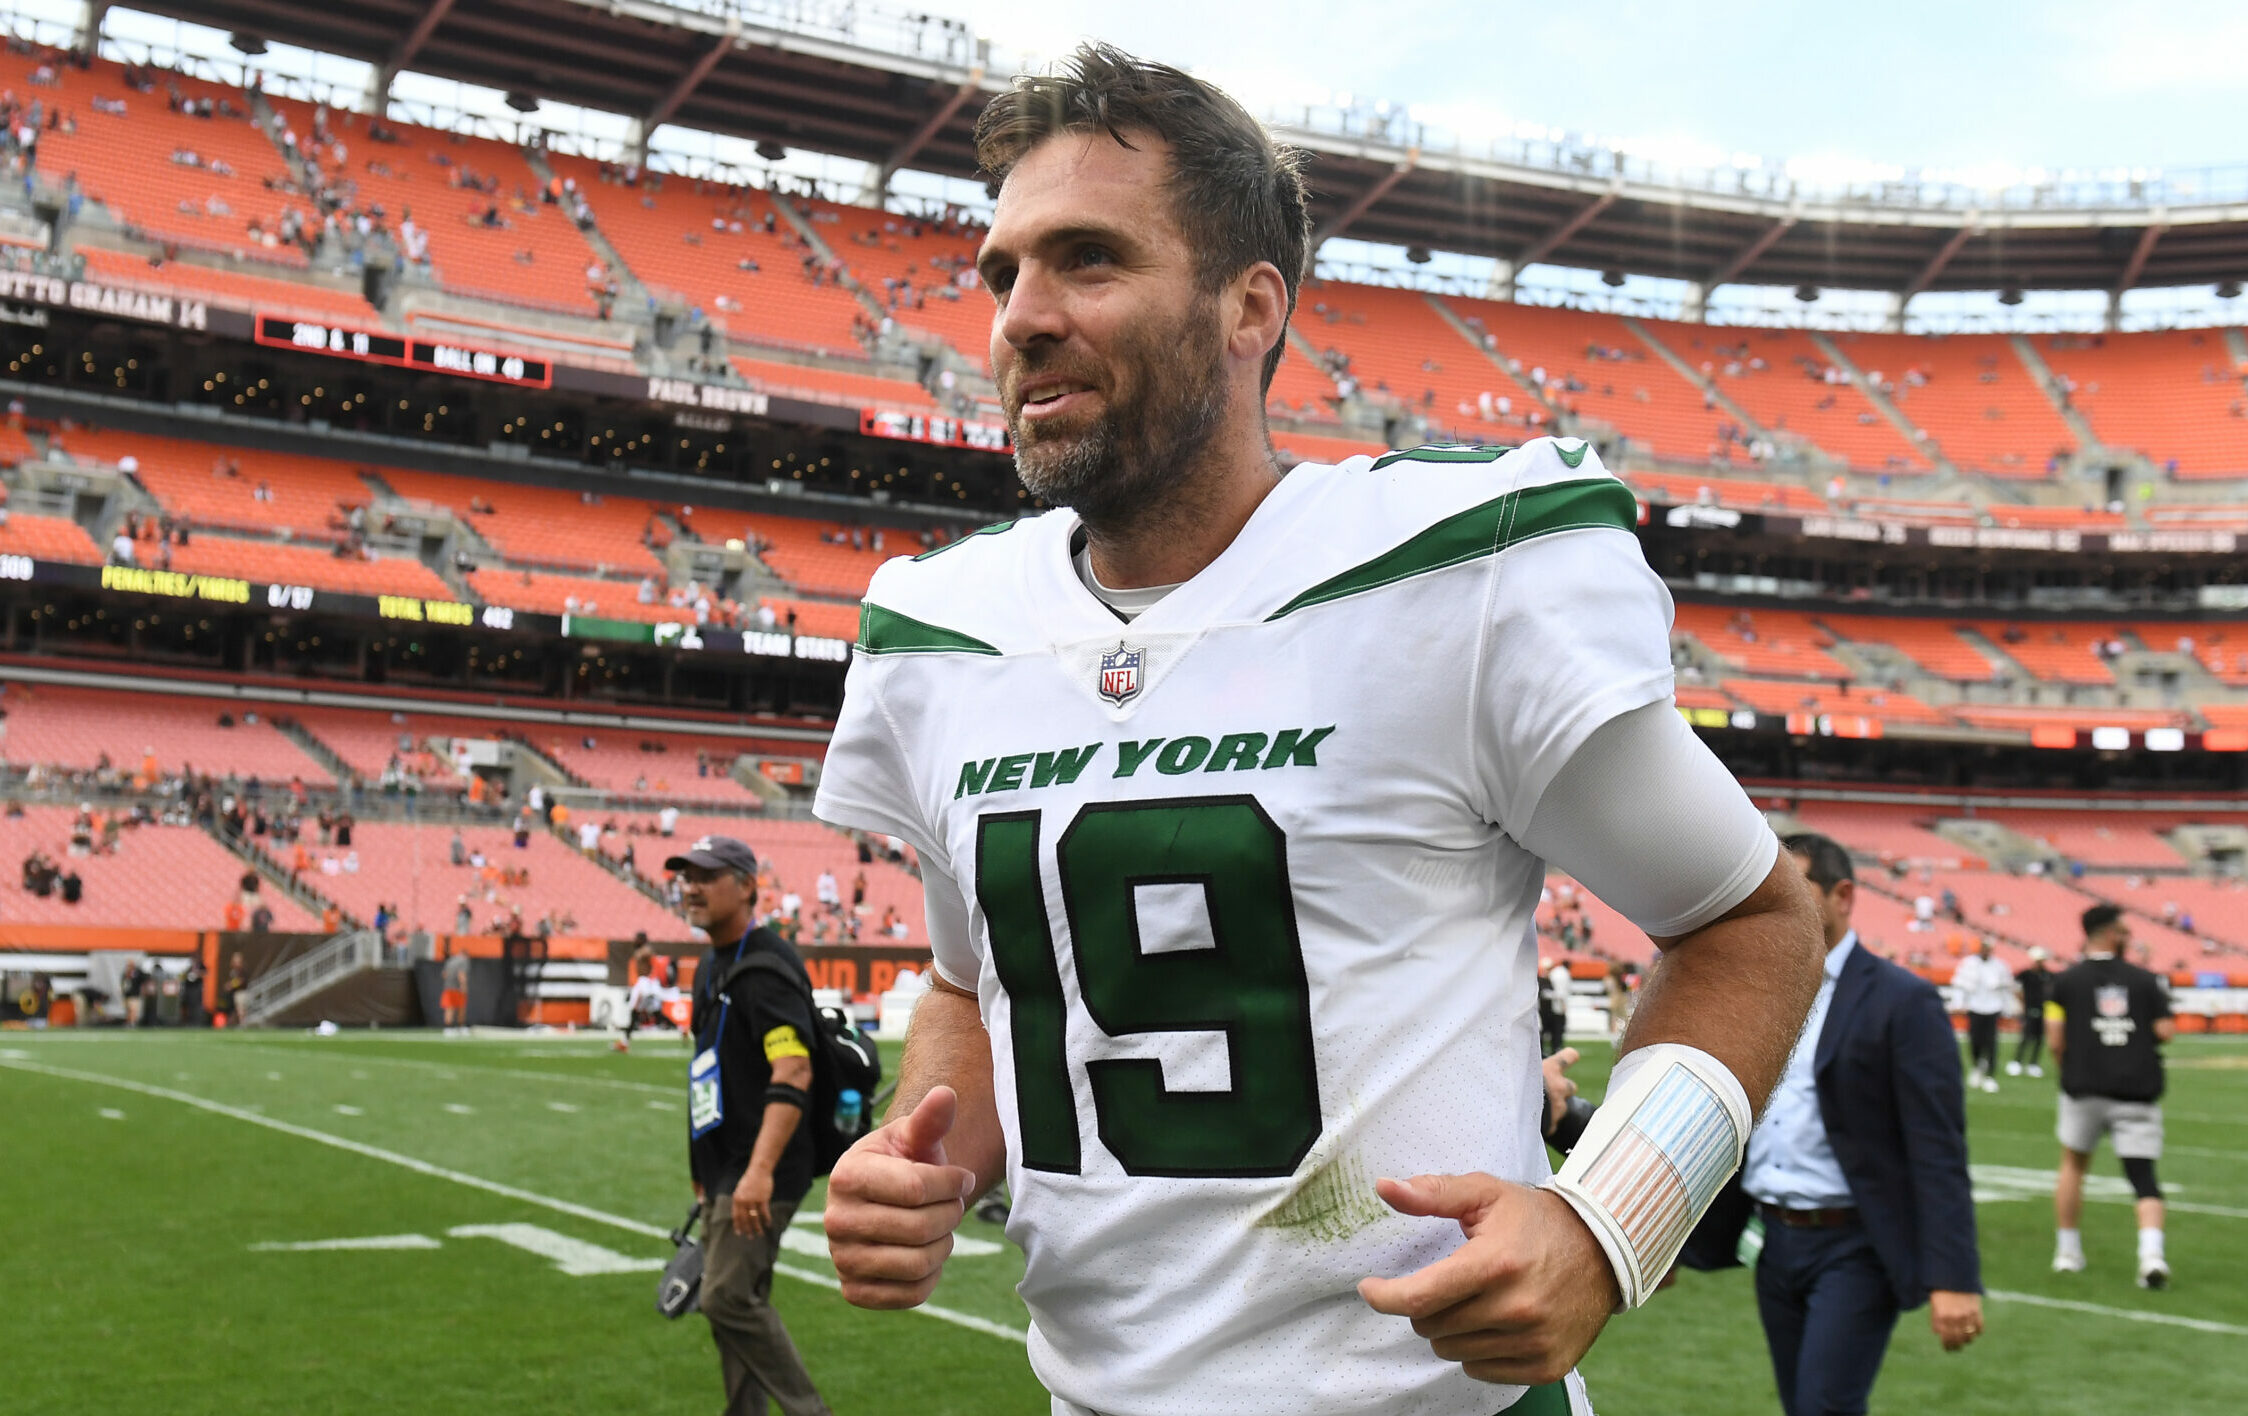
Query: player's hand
x=1956, y=1318
x=1558, y=1087
x=892, y=1205
x=1521, y=1300
x=753, y=1203
x=698, y=1194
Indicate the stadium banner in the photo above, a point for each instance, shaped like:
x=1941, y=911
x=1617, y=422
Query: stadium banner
x=1982, y=538
x=431, y=356
x=937, y=431
x=672, y=634
x=674, y=394
x=250, y=594
x=23, y=289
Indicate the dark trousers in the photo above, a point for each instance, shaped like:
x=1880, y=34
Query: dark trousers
x=1828, y=1311
x=2029, y=1048
x=1982, y=1041
x=1552, y=1027
x=754, y=1350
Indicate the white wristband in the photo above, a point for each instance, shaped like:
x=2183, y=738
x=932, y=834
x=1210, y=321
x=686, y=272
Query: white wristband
x=1674, y=1125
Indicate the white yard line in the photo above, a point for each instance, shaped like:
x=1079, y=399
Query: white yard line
x=2136, y=1315
x=474, y=1182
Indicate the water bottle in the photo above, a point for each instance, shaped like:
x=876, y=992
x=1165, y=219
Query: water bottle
x=848, y=1104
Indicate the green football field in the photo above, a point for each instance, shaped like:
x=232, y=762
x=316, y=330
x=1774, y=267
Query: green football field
x=249, y=1223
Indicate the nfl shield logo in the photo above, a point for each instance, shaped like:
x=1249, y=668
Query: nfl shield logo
x=2112, y=1001
x=1120, y=675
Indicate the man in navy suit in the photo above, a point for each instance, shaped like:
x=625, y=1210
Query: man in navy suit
x=1859, y=1170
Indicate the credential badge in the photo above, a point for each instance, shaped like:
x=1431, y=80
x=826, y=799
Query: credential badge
x=1120, y=674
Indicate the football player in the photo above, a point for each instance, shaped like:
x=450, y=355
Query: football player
x=1233, y=792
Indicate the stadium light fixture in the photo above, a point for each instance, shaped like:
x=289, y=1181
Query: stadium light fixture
x=1612, y=278
x=2011, y=295
x=771, y=151
x=521, y=102
x=1418, y=255
x=242, y=42
x=2228, y=289
x=1808, y=294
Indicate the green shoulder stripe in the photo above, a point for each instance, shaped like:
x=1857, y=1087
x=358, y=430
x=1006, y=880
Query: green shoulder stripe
x=1483, y=531
x=884, y=631
x=1444, y=452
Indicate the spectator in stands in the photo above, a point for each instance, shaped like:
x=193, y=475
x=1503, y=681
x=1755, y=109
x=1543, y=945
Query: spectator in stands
x=452, y=977
x=121, y=548
x=73, y=888
x=463, y=919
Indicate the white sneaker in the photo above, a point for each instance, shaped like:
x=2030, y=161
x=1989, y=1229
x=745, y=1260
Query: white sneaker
x=1990, y=1084
x=2035, y=1070
x=2013, y=1069
x=2154, y=1273
x=2068, y=1263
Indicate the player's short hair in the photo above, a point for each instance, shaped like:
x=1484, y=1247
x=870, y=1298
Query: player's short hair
x=2099, y=917
x=1238, y=195
x=1829, y=863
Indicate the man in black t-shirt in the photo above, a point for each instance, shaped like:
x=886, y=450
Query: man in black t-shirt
x=2036, y=984
x=2113, y=1018
x=748, y=1086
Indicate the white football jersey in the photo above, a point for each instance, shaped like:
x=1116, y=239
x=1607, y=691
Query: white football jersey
x=1246, y=915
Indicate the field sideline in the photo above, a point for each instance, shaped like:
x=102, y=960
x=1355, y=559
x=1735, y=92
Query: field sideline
x=176, y=1203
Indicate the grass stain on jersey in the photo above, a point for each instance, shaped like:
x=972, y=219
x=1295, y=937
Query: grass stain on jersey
x=1334, y=1202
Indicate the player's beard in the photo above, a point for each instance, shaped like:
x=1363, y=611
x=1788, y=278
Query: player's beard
x=1164, y=404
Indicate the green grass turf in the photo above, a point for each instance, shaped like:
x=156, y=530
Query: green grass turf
x=128, y=1268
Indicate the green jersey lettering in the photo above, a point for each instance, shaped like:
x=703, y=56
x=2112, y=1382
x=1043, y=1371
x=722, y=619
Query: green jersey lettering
x=1294, y=749
x=973, y=776
x=1129, y=755
x=1009, y=774
x=1182, y=755
x=1237, y=752
x=1065, y=766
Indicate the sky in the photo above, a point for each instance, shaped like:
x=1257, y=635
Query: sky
x=1962, y=87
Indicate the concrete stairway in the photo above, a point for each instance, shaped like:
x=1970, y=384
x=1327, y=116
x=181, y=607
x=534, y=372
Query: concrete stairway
x=1883, y=404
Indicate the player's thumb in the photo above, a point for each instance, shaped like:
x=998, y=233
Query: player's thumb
x=1460, y=1197
x=920, y=1136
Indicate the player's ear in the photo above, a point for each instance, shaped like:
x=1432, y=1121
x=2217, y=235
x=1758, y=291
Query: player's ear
x=1260, y=304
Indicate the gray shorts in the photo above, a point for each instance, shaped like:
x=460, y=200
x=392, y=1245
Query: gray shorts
x=2135, y=1125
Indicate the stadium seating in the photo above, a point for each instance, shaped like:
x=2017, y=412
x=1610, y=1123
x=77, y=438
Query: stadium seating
x=177, y=875
x=1972, y=394
x=1935, y=645
x=1772, y=697
x=2216, y=909
x=2019, y=718
x=1886, y=832
x=795, y=852
x=661, y=765
x=366, y=741
x=1300, y=389
x=1312, y=447
x=819, y=620
x=410, y=867
x=218, y=485
x=73, y=727
x=48, y=538
x=1779, y=378
x=665, y=235
x=1618, y=379
x=299, y=299
x=126, y=161
x=2223, y=652
x=544, y=526
x=852, y=390
x=2035, y=910
x=2110, y=838
x=1740, y=494
x=795, y=550
x=912, y=269
x=547, y=593
x=1785, y=642
x=416, y=175
x=2170, y=394
x=2057, y=653
x=1689, y=696
x=1402, y=348
x=301, y=565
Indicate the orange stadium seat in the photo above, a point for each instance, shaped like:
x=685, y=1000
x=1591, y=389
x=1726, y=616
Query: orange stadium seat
x=2174, y=395
x=914, y=269
x=2036, y=910
x=1312, y=447
x=2217, y=909
x=2064, y=518
x=1401, y=348
x=665, y=235
x=2059, y=653
x=410, y=867
x=1621, y=381
x=794, y=852
x=1779, y=378
x=547, y=593
x=543, y=525
x=49, y=538
x=853, y=390
x=795, y=551
x=218, y=485
x=175, y=874
x=1780, y=697
x=299, y=299
x=1691, y=696
x=304, y=565
x=416, y=175
x=2016, y=718
x=1301, y=389
x=73, y=728
x=14, y=446
x=821, y=621
x=1741, y=495
x=1784, y=642
x=2196, y=516
x=671, y=764
x=2099, y=838
x=1971, y=393
x=2220, y=649
x=1887, y=832
x=1935, y=645
x=367, y=740
x=126, y=161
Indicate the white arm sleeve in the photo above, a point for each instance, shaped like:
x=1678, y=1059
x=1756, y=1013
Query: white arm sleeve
x=951, y=944
x=1646, y=817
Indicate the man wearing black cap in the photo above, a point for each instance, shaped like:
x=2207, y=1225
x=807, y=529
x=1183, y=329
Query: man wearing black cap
x=747, y=1087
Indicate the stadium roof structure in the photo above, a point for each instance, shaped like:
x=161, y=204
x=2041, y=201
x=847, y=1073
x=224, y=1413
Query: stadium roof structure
x=903, y=91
